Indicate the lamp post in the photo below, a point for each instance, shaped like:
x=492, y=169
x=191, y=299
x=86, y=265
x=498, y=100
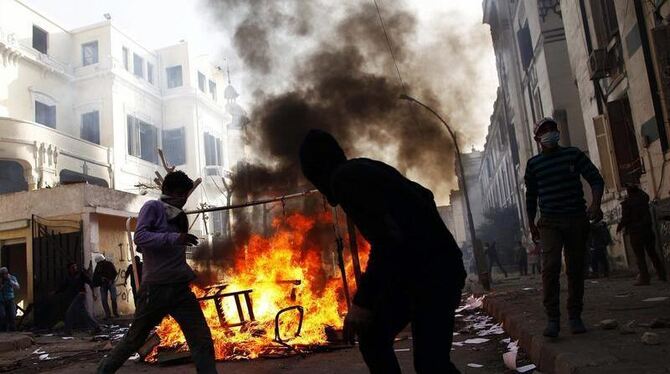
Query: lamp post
x=483, y=277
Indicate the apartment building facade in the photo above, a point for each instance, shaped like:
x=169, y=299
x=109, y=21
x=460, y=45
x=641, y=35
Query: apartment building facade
x=619, y=59
x=93, y=105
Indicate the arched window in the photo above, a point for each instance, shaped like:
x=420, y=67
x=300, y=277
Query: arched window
x=11, y=177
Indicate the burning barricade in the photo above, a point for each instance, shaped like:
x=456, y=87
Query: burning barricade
x=276, y=299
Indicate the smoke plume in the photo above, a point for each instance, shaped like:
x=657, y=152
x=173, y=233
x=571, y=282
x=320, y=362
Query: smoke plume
x=327, y=65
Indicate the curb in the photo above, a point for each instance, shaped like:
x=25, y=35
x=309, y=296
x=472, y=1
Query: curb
x=546, y=356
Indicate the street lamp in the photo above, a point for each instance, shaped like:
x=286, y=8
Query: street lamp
x=483, y=279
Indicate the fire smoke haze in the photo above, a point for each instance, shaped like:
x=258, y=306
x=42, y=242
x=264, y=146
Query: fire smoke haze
x=324, y=64
x=286, y=49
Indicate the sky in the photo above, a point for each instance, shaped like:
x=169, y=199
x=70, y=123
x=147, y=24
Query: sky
x=158, y=23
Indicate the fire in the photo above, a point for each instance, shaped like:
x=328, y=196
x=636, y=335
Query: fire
x=271, y=267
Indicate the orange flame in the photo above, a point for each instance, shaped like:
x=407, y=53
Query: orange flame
x=266, y=267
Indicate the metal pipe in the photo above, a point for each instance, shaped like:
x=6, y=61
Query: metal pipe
x=252, y=203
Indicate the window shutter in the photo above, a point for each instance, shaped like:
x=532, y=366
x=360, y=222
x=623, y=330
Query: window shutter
x=605, y=151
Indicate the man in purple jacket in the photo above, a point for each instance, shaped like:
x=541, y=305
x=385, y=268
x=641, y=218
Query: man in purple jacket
x=162, y=236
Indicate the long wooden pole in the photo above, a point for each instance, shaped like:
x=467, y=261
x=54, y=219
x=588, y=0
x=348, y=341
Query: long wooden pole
x=129, y=232
x=353, y=247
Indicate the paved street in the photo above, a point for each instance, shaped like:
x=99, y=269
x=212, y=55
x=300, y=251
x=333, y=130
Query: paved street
x=82, y=356
x=617, y=348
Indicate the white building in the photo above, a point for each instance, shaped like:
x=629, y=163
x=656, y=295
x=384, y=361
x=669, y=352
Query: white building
x=92, y=104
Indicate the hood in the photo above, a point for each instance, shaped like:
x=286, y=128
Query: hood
x=320, y=155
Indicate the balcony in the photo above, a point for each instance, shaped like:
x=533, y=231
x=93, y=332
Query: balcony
x=45, y=152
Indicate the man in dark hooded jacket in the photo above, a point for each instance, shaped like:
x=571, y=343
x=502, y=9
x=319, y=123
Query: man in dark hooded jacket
x=415, y=272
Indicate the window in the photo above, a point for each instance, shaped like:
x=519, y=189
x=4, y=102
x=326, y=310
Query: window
x=138, y=66
x=150, y=73
x=174, y=146
x=40, y=39
x=142, y=140
x=125, y=58
x=213, y=150
x=70, y=176
x=45, y=114
x=201, y=81
x=212, y=89
x=174, y=76
x=525, y=45
x=90, y=127
x=89, y=53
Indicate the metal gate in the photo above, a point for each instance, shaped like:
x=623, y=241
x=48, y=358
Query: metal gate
x=55, y=244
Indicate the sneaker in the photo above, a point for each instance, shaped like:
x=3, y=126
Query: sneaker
x=577, y=326
x=552, y=329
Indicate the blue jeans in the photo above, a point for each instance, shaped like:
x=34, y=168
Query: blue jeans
x=108, y=287
x=7, y=315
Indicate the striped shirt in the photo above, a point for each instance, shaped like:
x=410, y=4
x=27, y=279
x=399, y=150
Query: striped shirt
x=553, y=178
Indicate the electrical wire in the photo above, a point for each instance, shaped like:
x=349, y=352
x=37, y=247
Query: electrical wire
x=388, y=43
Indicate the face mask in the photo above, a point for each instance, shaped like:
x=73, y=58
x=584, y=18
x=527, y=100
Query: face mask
x=550, y=139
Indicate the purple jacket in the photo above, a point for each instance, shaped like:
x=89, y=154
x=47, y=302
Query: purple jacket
x=155, y=237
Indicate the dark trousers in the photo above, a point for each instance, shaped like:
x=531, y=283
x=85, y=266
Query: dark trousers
x=108, y=288
x=77, y=314
x=523, y=267
x=7, y=315
x=496, y=260
x=153, y=304
x=431, y=339
x=643, y=241
x=563, y=235
x=599, y=262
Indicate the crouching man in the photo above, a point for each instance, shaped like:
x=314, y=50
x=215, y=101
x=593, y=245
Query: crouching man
x=162, y=236
x=415, y=272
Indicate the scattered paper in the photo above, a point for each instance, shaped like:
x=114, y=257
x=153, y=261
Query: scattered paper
x=458, y=344
x=134, y=357
x=458, y=315
x=506, y=340
x=528, y=289
x=39, y=351
x=471, y=303
x=45, y=356
x=476, y=341
x=475, y=365
x=456, y=333
x=402, y=350
x=48, y=335
x=68, y=338
x=660, y=298
x=526, y=368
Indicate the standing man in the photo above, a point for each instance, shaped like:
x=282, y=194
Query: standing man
x=492, y=252
x=130, y=274
x=104, y=275
x=553, y=178
x=415, y=267
x=162, y=237
x=8, y=286
x=600, y=238
x=74, y=287
x=636, y=220
x=521, y=257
